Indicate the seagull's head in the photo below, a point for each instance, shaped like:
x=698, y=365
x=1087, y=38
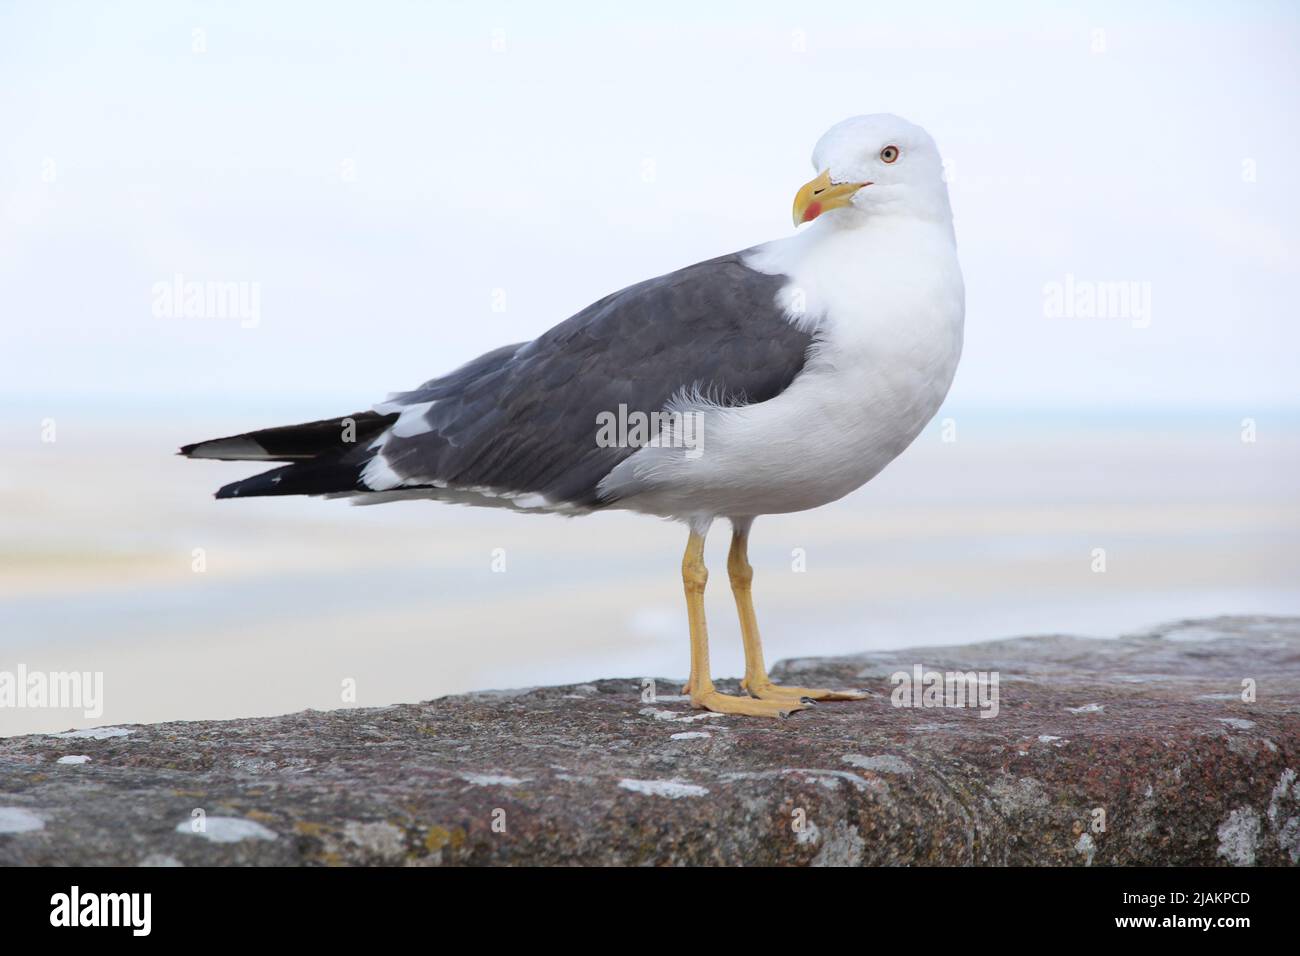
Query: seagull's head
x=873, y=164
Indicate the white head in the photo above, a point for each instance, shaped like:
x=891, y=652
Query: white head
x=874, y=165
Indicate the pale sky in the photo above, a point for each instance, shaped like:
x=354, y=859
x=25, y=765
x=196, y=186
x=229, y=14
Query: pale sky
x=410, y=184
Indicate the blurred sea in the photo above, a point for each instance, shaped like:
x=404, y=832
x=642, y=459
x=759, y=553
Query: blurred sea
x=986, y=536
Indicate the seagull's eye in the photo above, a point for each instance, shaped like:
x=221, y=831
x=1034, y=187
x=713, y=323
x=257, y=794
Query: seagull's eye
x=889, y=154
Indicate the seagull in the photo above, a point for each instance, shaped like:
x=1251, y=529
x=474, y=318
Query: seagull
x=772, y=380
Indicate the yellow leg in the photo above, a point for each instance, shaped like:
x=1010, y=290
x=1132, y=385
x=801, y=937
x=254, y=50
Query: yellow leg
x=700, y=686
x=756, y=680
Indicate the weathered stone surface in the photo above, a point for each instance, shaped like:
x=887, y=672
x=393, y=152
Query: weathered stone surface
x=1152, y=730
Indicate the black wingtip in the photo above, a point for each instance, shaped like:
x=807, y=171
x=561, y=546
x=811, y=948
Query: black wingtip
x=229, y=491
x=305, y=478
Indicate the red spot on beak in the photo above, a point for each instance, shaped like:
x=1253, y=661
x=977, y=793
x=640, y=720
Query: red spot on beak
x=812, y=212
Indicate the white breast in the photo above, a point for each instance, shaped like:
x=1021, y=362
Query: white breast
x=887, y=308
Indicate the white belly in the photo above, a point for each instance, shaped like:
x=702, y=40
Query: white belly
x=890, y=336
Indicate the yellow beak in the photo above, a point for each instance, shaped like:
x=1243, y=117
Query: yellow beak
x=821, y=194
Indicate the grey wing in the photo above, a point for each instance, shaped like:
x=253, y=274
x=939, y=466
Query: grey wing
x=523, y=419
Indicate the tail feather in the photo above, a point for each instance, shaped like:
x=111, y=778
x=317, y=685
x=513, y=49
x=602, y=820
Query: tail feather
x=327, y=456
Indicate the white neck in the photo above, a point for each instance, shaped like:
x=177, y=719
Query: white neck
x=836, y=257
